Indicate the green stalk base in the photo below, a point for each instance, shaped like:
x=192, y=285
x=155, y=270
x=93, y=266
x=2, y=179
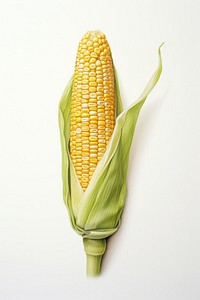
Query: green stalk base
x=93, y=265
x=94, y=250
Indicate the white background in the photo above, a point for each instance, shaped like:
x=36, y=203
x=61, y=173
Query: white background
x=156, y=253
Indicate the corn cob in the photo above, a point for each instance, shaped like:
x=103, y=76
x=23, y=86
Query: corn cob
x=92, y=105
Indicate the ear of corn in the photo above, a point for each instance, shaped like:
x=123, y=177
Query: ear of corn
x=92, y=105
x=95, y=210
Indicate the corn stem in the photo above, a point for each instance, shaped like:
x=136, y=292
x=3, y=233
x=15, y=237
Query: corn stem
x=94, y=250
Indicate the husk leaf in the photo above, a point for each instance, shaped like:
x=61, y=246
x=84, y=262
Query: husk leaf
x=96, y=213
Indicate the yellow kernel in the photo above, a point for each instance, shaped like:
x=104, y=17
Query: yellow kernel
x=93, y=138
x=99, y=80
x=85, y=157
x=92, y=89
x=86, y=69
x=101, y=123
x=86, y=162
x=93, y=113
x=94, y=105
x=93, y=143
x=89, y=43
x=84, y=92
x=95, y=40
x=98, y=63
x=102, y=54
x=100, y=102
x=93, y=126
x=93, y=118
x=101, y=98
x=85, y=81
x=92, y=73
x=93, y=130
x=86, y=180
x=85, y=119
x=93, y=54
x=78, y=113
x=92, y=83
x=85, y=133
x=108, y=113
x=92, y=155
x=78, y=144
x=78, y=153
x=93, y=159
x=92, y=60
x=101, y=141
x=92, y=66
x=86, y=52
x=100, y=149
x=85, y=76
x=101, y=131
x=97, y=50
x=78, y=159
x=85, y=86
x=93, y=95
x=86, y=172
x=85, y=128
x=85, y=151
x=85, y=167
x=78, y=168
x=85, y=142
x=99, y=89
x=92, y=79
x=90, y=48
x=93, y=150
x=87, y=58
x=85, y=96
x=103, y=62
x=85, y=146
x=101, y=145
x=79, y=165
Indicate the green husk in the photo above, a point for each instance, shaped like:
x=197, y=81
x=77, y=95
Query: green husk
x=95, y=214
